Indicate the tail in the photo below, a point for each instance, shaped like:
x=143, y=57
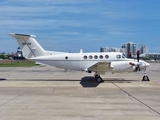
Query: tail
x=29, y=46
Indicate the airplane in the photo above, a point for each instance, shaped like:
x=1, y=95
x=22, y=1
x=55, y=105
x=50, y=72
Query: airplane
x=97, y=62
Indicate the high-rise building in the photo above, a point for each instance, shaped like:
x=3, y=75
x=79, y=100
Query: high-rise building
x=143, y=49
x=111, y=49
x=129, y=49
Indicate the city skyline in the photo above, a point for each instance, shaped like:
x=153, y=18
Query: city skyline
x=128, y=49
x=71, y=25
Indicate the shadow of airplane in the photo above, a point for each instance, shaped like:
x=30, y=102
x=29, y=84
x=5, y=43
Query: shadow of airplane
x=117, y=80
x=89, y=81
x=2, y=79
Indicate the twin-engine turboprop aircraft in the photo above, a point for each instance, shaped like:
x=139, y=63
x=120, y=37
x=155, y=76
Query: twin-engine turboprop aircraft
x=100, y=63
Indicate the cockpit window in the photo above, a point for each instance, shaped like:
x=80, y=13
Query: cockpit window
x=119, y=56
x=123, y=56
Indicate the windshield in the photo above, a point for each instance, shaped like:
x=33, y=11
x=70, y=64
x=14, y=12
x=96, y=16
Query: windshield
x=123, y=56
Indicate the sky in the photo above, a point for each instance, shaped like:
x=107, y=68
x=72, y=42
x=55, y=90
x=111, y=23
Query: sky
x=71, y=25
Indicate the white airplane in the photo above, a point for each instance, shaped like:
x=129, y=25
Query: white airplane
x=97, y=62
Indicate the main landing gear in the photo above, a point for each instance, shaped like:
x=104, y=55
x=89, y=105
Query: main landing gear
x=98, y=78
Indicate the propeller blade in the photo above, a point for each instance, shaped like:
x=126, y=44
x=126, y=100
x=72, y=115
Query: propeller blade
x=136, y=66
x=138, y=55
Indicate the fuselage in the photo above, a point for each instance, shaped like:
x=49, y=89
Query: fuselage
x=96, y=62
x=82, y=61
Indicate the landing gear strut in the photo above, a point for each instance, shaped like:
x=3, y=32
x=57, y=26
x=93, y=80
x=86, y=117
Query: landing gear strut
x=145, y=77
x=98, y=78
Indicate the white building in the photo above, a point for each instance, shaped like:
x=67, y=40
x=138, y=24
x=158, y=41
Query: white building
x=143, y=49
x=151, y=55
x=111, y=49
x=129, y=48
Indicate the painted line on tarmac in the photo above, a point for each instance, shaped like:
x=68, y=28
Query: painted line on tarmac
x=136, y=98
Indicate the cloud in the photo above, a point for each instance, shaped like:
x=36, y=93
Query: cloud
x=34, y=17
x=67, y=33
x=118, y=15
x=118, y=30
x=65, y=22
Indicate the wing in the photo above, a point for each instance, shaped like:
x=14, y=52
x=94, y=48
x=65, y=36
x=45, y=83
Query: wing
x=101, y=67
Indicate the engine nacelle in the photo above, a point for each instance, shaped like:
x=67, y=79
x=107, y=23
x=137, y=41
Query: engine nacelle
x=123, y=66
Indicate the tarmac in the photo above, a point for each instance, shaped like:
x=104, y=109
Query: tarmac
x=49, y=93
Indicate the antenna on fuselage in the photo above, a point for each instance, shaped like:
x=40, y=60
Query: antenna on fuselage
x=81, y=51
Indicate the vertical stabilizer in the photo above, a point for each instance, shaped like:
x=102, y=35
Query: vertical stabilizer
x=29, y=46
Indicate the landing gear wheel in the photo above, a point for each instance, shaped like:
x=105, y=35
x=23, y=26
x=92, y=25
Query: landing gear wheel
x=99, y=79
x=145, y=78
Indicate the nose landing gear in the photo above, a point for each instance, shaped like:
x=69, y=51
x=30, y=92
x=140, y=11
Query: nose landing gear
x=145, y=77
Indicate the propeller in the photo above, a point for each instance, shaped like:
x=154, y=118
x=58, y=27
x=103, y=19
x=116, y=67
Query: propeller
x=138, y=67
x=138, y=55
x=136, y=64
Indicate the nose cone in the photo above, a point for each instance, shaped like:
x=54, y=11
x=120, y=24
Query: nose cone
x=147, y=64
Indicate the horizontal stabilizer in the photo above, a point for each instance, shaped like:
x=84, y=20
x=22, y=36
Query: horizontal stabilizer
x=21, y=35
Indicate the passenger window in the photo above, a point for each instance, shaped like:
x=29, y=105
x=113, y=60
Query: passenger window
x=106, y=56
x=95, y=57
x=90, y=57
x=66, y=57
x=118, y=56
x=85, y=57
x=101, y=56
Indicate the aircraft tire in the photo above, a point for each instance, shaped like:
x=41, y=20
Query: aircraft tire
x=145, y=78
x=99, y=79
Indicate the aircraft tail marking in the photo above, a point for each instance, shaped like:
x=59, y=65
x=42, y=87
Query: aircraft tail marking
x=29, y=46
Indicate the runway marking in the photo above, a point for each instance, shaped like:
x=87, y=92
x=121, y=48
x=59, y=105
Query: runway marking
x=136, y=98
